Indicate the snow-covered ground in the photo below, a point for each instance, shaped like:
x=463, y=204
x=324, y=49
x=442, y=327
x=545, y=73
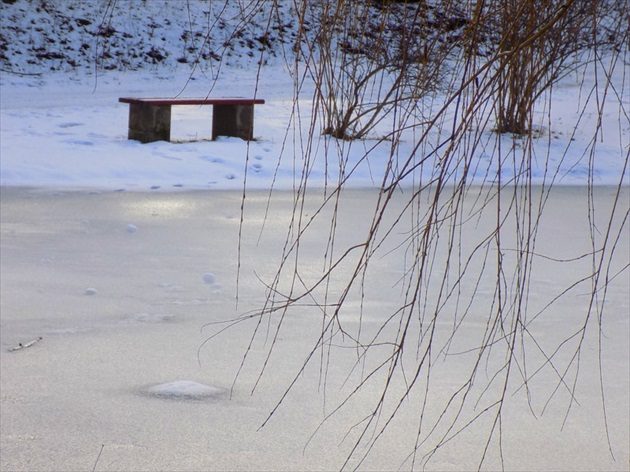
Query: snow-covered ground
x=63, y=126
x=117, y=253
x=69, y=131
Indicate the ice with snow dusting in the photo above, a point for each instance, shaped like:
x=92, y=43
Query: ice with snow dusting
x=183, y=390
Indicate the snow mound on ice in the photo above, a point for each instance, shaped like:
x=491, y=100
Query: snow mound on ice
x=209, y=278
x=183, y=389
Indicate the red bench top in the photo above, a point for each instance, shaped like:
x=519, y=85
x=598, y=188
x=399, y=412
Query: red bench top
x=193, y=101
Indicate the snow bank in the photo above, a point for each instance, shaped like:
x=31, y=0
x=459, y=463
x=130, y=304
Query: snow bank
x=183, y=389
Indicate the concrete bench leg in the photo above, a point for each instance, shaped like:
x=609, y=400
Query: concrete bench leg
x=233, y=120
x=148, y=123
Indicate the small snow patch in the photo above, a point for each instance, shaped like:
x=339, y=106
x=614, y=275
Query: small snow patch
x=210, y=279
x=171, y=287
x=183, y=389
x=151, y=318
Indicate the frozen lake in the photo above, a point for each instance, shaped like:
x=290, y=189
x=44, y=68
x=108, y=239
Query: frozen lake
x=119, y=287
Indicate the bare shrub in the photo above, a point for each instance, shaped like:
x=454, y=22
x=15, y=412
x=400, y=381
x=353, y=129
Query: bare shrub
x=367, y=61
x=537, y=45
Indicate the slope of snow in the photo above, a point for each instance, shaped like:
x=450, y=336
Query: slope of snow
x=73, y=35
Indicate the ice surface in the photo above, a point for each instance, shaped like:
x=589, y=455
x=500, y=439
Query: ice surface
x=85, y=383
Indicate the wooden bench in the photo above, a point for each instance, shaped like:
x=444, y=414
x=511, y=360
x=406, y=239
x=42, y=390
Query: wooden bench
x=150, y=118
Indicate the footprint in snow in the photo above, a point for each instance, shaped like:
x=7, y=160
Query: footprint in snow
x=80, y=142
x=213, y=160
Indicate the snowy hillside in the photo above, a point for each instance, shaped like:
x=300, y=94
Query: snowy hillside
x=41, y=36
